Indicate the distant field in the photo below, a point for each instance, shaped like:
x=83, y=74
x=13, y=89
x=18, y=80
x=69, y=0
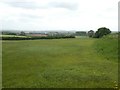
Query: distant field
x=11, y=36
x=59, y=63
x=81, y=37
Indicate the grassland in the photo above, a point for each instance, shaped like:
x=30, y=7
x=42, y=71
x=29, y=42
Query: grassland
x=108, y=47
x=11, y=36
x=59, y=63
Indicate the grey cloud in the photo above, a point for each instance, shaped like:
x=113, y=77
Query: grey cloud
x=27, y=5
x=33, y=5
x=70, y=6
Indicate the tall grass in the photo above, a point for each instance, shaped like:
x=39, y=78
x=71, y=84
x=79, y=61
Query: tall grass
x=108, y=47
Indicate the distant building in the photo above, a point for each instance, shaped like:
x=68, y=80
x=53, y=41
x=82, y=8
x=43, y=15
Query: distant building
x=35, y=34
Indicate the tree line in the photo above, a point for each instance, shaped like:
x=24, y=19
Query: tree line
x=99, y=33
x=34, y=38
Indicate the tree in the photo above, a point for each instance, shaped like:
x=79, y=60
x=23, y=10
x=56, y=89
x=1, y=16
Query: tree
x=81, y=33
x=8, y=33
x=22, y=33
x=101, y=32
x=91, y=33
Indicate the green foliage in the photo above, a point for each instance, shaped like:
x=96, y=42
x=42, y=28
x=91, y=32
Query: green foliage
x=57, y=63
x=8, y=33
x=81, y=33
x=108, y=47
x=91, y=33
x=22, y=33
x=34, y=38
x=101, y=32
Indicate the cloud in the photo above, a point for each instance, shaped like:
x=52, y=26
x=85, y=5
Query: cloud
x=35, y=5
x=66, y=5
x=58, y=15
x=25, y=5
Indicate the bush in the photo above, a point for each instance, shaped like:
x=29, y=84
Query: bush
x=101, y=32
x=34, y=38
x=107, y=47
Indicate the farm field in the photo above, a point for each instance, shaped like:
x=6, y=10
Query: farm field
x=60, y=63
x=11, y=36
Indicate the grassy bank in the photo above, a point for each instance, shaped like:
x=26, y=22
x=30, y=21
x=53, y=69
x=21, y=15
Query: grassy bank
x=60, y=63
x=108, y=47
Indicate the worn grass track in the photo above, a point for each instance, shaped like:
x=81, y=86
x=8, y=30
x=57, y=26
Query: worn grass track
x=61, y=63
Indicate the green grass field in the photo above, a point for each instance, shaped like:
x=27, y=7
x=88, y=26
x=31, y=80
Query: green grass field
x=11, y=36
x=59, y=63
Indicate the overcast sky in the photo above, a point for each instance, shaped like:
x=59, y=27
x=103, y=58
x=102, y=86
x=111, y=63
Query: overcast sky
x=83, y=15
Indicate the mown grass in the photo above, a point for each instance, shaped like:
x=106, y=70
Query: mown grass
x=57, y=63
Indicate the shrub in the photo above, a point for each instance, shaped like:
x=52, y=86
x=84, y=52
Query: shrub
x=101, y=32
